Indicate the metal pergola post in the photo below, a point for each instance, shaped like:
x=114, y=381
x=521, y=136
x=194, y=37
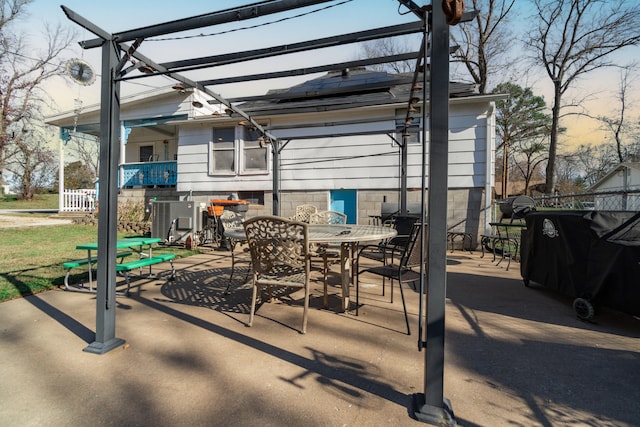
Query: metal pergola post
x=431, y=407
x=105, y=339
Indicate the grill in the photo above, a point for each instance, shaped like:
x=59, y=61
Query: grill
x=516, y=207
x=591, y=256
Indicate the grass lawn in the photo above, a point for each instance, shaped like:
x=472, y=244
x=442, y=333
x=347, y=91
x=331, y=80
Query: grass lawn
x=31, y=258
x=40, y=201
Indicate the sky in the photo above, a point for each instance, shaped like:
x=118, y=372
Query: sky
x=343, y=16
x=117, y=15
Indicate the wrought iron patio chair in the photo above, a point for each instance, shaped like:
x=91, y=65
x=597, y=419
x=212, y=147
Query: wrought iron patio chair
x=406, y=270
x=327, y=217
x=280, y=257
x=330, y=252
x=303, y=213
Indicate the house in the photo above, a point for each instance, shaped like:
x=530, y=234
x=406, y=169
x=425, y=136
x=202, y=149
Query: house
x=614, y=188
x=339, y=138
x=149, y=140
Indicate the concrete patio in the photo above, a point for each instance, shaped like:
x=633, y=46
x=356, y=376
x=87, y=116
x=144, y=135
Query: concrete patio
x=514, y=356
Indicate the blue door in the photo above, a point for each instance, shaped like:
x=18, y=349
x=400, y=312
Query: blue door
x=345, y=201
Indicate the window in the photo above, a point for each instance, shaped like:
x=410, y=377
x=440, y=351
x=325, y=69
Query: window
x=146, y=153
x=230, y=156
x=254, y=156
x=223, y=151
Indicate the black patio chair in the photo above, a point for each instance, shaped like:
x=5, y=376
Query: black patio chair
x=406, y=270
x=385, y=251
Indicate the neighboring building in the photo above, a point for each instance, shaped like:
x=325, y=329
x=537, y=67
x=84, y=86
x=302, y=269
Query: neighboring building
x=6, y=189
x=340, y=134
x=624, y=178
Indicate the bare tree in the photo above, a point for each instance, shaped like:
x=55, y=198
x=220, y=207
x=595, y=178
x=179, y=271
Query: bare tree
x=484, y=41
x=528, y=155
x=22, y=72
x=569, y=179
x=87, y=149
x=32, y=163
x=389, y=47
x=618, y=126
x=595, y=161
x=573, y=38
x=10, y=11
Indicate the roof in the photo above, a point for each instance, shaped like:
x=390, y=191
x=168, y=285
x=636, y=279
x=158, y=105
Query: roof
x=129, y=102
x=337, y=90
x=343, y=89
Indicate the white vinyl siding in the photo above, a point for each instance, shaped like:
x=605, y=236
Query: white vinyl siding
x=322, y=163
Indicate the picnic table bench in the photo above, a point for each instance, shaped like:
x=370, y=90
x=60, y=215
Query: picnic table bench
x=145, y=258
x=70, y=265
x=126, y=267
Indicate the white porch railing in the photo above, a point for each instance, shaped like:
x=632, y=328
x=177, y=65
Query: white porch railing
x=83, y=200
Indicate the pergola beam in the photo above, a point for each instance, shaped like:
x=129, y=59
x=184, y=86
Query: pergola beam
x=249, y=55
x=224, y=16
x=87, y=25
x=209, y=92
x=310, y=70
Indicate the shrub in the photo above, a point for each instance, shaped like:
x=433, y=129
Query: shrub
x=131, y=211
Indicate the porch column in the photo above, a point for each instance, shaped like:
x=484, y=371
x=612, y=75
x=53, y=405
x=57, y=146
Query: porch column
x=61, y=177
x=124, y=136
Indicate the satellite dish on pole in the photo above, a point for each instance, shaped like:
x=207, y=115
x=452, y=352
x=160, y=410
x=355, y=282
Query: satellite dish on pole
x=80, y=71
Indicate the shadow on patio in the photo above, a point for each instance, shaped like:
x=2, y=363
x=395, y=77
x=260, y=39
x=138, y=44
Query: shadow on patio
x=514, y=355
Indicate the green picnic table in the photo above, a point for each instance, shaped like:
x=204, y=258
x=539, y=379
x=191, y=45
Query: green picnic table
x=145, y=258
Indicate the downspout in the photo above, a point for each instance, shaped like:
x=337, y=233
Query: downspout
x=275, y=150
x=489, y=166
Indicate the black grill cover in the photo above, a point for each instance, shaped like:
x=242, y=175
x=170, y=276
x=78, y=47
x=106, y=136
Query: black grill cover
x=585, y=254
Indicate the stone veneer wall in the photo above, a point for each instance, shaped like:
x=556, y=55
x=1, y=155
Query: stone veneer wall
x=140, y=228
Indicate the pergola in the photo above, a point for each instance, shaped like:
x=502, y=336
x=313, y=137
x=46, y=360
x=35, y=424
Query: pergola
x=431, y=80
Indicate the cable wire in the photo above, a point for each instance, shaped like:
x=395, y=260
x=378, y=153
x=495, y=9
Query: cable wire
x=251, y=26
